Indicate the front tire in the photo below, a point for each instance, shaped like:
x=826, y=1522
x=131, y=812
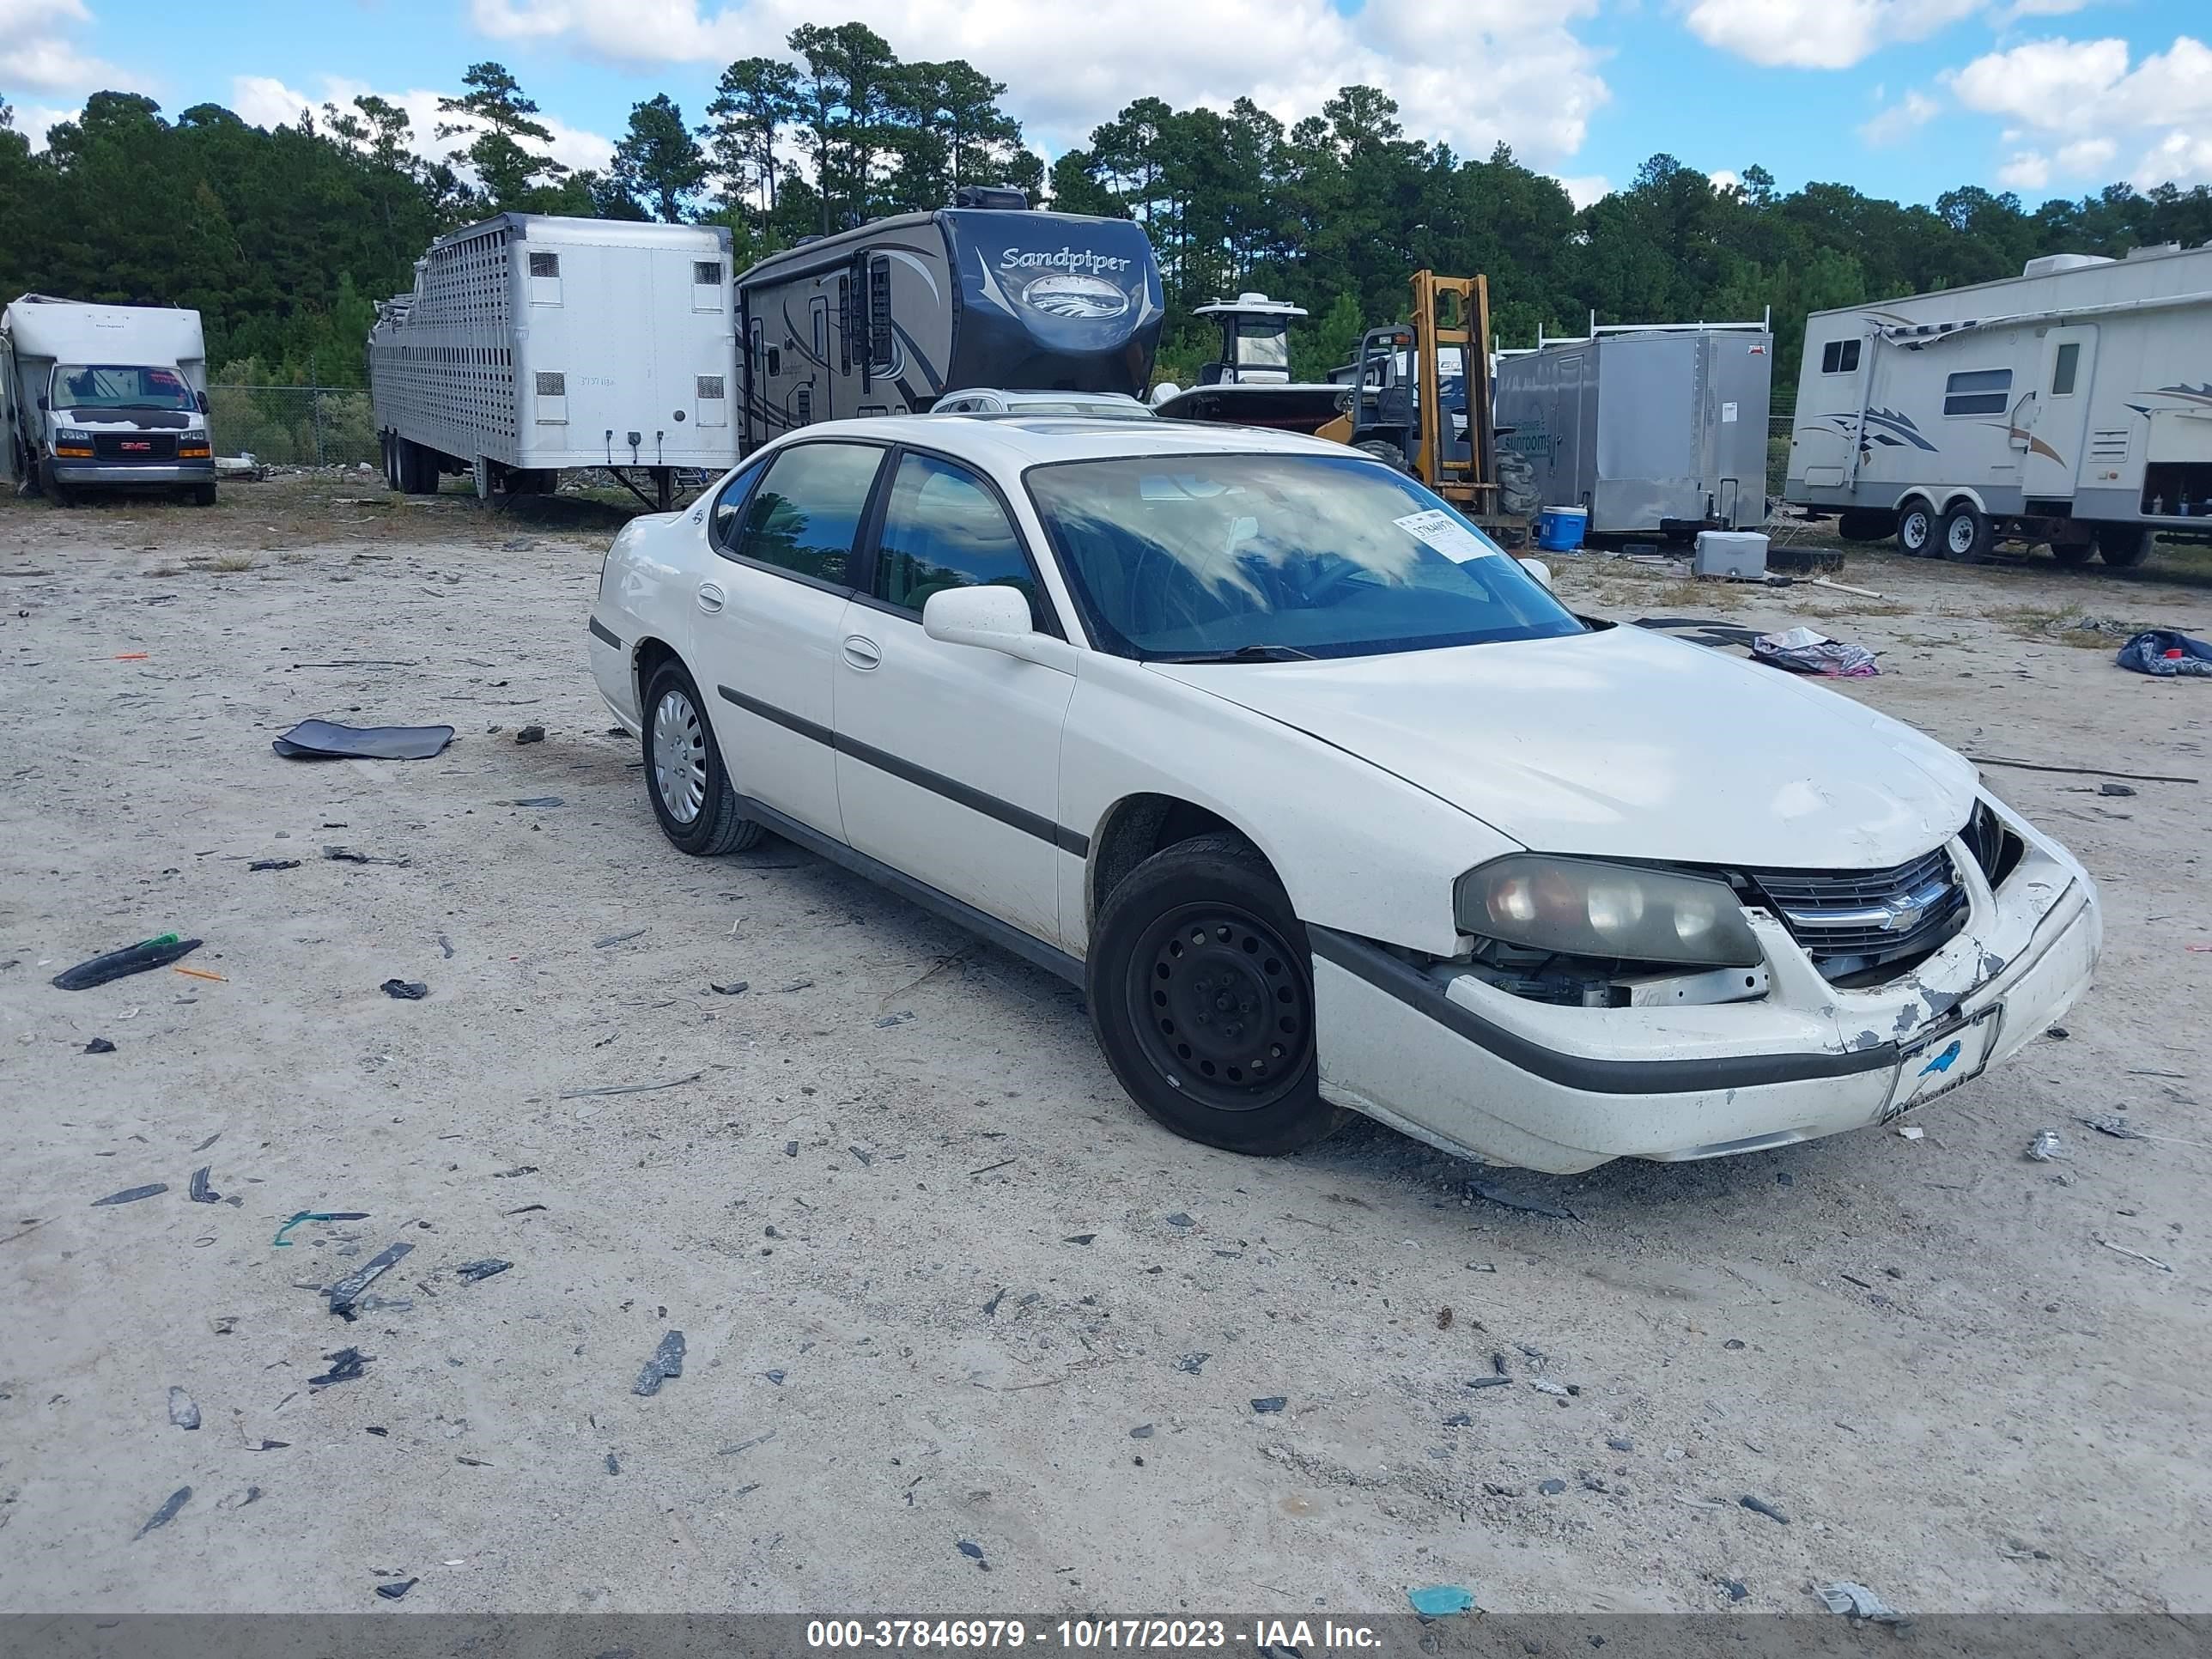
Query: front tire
x=1916, y=529
x=1966, y=537
x=203, y=494
x=684, y=777
x=1201, y=987
x=2072, y=553
x=2122, y=546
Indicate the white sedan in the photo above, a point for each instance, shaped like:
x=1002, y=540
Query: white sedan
x=1328, y=804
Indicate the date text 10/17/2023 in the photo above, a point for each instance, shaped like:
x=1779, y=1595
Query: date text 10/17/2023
x=1253, y=1636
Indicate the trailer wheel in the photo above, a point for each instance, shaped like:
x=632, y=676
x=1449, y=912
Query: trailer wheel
x=1916, y=528
x=1385, y=452
x=418, y=468
x=2072, y=553
x=390, y=445
x=1966, y=534
x=1863, y=524
x=2122, y=546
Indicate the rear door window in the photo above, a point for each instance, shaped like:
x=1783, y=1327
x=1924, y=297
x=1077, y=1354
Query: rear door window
x=805, y=516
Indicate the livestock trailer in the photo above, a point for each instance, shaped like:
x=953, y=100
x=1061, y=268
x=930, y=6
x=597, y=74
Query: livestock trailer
x=1656, y=430
x=2071, y=403
x=884, y=319
x=533, y=344
x=104, y=396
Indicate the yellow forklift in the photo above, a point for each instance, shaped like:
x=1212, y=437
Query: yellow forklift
x=1418, y=398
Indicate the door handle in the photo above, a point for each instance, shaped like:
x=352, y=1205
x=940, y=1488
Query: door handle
x=710, y=596
x=862, y=652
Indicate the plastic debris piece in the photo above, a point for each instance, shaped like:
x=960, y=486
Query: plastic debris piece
x=667, y=1361
x=182, y=1412
x=973, y=1551
x=157, y=952
x=735, y=988
x=531, y=733
x=100, y=1046
x=1179, y=1220
x=1857, y=1601
x=200, y=973
x=1545, y=1385
x=613, y=1467
x=347, y=1291
x=348, y=855
x=1760, y=1506
x=328, y=740
x=1489, y=1382
x=540, y=801
x=274, y=864
x=199, y=1192
x=1802, y=651
x=2046, y=1146
x=346, y=1365
x=393, y=1592
x=1439, y=1601
x=1272, y=1404
x=473, y=1270
x=617, y=939
x=2162, y=1266
x=166, y=1513
x=2118, y=1128
x=1910, y=1132
x=1459, y=1420
x=283, y=1243
x=1192, y=1363
x=132, y=1195
x=1079, y=1238
x=1142, y=1431
x=1551, y=1488
x=402, y=990
x=1513, y=1201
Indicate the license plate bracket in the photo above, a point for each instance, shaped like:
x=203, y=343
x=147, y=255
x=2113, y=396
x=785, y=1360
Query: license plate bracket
x=1936, y=1065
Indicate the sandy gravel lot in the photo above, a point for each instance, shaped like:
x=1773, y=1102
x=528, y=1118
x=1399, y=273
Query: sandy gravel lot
x=941, y=1286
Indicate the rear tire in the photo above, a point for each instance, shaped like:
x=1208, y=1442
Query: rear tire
x=1916, y=528
x=1966, y=536
x=2122, y=546
x=1860, y=524
x=391, y=447
x=1385, y=452
x=418, y=468
x=684, y=777
x=2072, y=553
x=1201, y=986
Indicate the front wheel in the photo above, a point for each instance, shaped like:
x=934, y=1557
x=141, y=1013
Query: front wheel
x=203, y=494
x=1916, y=529
x=1966, y=534
x=1201, y=987
x=690, y=789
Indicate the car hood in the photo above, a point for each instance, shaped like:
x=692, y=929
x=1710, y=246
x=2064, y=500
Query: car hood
x=1622, y=743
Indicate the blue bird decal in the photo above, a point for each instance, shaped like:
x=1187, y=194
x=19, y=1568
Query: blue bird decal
x=1942, y=1061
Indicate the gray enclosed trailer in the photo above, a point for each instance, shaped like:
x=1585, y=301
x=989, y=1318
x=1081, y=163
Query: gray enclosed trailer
x=1658, y=431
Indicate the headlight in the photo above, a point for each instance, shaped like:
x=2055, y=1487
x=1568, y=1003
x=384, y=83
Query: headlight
x=69, y=434
x=193, y=438
x=1584, y=909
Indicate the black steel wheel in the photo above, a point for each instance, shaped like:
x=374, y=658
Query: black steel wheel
x=1201, y=991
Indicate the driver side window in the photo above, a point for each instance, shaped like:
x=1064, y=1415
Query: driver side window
x=943, y=528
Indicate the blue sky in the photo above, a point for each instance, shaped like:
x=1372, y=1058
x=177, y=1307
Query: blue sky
x=1900, y=98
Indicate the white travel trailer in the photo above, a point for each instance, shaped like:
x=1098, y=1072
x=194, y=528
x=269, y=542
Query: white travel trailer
x=533, y=344
x=102, y=396
x=2071, y=405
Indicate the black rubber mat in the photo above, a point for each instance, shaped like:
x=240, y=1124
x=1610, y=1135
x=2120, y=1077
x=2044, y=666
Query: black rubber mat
x=328, y=740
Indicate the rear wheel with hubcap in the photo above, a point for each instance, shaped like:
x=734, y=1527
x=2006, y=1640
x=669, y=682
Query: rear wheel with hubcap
x=690, y=789
x=1916, y=529
x=1966, y=536
x=1202, y=992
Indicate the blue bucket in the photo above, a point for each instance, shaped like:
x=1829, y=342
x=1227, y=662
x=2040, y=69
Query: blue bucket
x=1560, y=529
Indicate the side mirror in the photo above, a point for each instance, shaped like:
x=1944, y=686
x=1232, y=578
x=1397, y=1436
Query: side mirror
x=992, y=618
x=1539, y=570
x=202, y=400
x=43, y=404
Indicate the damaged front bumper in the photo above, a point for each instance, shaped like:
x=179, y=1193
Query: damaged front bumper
x=1437, y=1052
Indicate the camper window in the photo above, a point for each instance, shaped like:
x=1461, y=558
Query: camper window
x=1978, y=392
x=879, y=314
x=2063, y=368
x=943, y=529
x=1839, y=357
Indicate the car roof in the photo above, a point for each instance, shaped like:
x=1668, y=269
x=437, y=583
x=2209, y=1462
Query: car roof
x=1018, y=439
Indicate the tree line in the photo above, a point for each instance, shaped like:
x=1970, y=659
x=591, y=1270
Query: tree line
x=285, y=238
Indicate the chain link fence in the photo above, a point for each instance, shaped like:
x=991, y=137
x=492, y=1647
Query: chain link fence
x=293, y=425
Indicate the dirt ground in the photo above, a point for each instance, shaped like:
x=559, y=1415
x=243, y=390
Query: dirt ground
x=943, y=1291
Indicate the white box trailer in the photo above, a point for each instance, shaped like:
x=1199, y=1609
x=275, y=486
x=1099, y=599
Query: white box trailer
x=533, y=344
x=1657, y=429
x=102, y=396
x=2070, y=404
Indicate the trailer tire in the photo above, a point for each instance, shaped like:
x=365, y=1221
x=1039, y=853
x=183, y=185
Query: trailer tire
x=1967, y=536
x=1385, y=452
x=2122, y=546
x=1916, y=528
x=390, y=446
x=2072, y=553
x=418, y=468
x=1865, y=523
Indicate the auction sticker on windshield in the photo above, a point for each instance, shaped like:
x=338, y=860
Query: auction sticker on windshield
x=1440, y=530
x=1940, y=1063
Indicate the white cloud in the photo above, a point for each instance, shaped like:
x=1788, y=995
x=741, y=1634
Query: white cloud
x=2046, y=84
x=1725, y=178
x=1819, y=34
x=2026, y=170
x=1071, y=67
x=2086, y=155
x=1587, y=188
x=2092, y=95
x=1901, y=120
x=35, y=121
x=35, y=52
x=2020, y=9
x=264, y=101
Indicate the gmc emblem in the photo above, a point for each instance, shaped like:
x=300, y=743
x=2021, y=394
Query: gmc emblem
x=138, y=447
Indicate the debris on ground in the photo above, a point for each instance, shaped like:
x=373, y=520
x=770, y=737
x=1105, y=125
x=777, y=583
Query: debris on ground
x=2162, y=652
x=131, y=1194
x=328, y=740
x=346, y=1365
x=2122, y=790
x=1857, y=1601
x=1910, y=1132
x=1551, y=1488
x=1489, y=1382
x=166, y=1513
x=632, y=1088
x=972, y=1550
x=1437, y=1600
x=274, y=864
x=617, y=939
x=1513, y=1201
x=667, y=1361
x=347, y=1292
x=2120, y=1129
x=2162, y=1266
x=281, y=1243
x=1192, y=1363
x=182, y=1411
x=1272, y=1404
x=393, y=1592
x=539, y=800
x=1760, y=1506
x=156, y=953
x=348, y=855
x=1142, y=1431
x=1802, y=651
x=2046, y=1146
x=100, y=1046
x=531, y=733
x=1545, y=1385
x=737, y=988
x=403, y=990
x=473, y=1270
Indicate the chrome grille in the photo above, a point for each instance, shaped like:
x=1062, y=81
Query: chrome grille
x=1866, y=916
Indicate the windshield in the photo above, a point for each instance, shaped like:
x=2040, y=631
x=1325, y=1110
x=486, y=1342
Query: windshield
x=1214, y=556
x=116, y=386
